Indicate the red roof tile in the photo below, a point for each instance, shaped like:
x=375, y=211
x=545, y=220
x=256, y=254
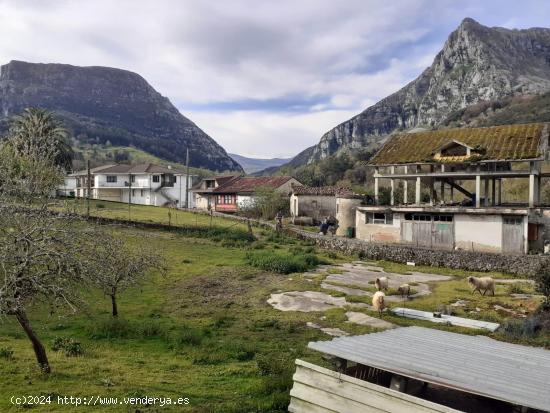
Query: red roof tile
x=249, y=184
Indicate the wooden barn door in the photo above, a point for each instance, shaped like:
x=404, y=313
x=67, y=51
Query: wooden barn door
x=513, y=236
x=422, y=233
x=443, y=232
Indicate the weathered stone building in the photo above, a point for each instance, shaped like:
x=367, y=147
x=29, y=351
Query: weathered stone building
x=443, y=162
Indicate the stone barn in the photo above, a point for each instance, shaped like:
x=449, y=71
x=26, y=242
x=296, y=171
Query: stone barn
x=452, y=184
x=320, y=202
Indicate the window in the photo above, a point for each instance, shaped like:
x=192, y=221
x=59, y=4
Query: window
x=455, y=150
x=111, y=178
x=379, y=218
x=175, y=179
x=443, y=218
x=133, y=192
x=210, y=184
x=142, y=192
x=132, y=178
x=513, y=220
x=227, y=199
x=156, y=178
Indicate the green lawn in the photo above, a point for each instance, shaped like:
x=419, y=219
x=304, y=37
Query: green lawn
x=144, y=213
x=204, y=331
x=199, y=332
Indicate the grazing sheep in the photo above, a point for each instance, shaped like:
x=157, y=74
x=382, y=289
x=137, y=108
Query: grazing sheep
x=381, y=283
x=378, y=302
x=483, y=283
x=404, y=290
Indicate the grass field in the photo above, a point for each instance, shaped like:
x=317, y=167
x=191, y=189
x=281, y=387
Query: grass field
x=202, y=331
x=149, y=214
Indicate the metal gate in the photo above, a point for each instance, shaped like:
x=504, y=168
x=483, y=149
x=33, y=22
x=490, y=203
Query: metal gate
x=513, y=236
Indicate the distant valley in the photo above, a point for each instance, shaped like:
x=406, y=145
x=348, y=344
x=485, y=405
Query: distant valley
x=251, y=165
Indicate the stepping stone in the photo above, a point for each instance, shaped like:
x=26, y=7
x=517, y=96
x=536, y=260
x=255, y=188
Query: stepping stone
x=514, y=281
x=305, y=301
x=334, y=332
x=308, y=301
x=345, y=290
x=460, y=303
x=366, y=320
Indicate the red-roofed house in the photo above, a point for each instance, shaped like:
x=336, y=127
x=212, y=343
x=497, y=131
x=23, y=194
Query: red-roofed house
x=241, y=191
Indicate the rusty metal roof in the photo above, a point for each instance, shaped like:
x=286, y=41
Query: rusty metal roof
x=473, y=364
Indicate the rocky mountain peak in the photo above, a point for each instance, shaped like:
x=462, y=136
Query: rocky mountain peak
x=476, y=64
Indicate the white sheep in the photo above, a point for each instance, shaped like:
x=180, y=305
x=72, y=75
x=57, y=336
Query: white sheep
x=378, y=303
x=404, y=290
x=381, y=283
x=483, y=283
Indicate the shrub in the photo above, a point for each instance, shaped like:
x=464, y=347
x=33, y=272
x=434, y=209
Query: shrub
x=273, y=365
x=150, y=328
x=70, y=346
x=283, y=263
x=188, y=336
x=515, y=289
x=100, y=206
x=518, y=329
x=542, y=281
x=110, y=328
x=6, y=353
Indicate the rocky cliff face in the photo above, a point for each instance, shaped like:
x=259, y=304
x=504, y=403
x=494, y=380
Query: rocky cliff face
x=102, y=104
x=477, y=64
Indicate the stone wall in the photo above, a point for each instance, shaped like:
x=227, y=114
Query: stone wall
x=465, y=260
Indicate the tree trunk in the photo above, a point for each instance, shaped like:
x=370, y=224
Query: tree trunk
x=115, y=308
x=38, y=347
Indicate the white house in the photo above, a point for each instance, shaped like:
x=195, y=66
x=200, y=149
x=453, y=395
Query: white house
x=144, y=184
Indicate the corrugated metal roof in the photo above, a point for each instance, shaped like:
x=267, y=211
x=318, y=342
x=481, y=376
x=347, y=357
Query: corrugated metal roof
x=474, y=364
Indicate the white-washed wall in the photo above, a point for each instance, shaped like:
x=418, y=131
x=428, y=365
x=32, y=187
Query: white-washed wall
x=483, y=233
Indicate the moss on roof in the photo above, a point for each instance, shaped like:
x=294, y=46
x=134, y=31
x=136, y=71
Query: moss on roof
x=508, y=142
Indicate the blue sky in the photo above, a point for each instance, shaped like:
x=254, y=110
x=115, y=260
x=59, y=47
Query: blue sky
x=263, y=78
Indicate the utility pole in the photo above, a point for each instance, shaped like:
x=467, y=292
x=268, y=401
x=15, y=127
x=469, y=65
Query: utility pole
x=88, y=188
x=129, y=195
x=187, y=179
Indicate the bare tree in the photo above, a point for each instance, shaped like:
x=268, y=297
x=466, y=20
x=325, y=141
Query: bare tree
x=120, y=265
x=42, y=253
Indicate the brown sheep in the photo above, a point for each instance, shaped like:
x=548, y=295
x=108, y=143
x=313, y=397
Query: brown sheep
x=378, y=303
x=482, y=283
x=381, y=283
x=404, y=290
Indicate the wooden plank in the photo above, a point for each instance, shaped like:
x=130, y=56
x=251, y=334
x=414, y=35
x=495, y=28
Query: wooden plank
x=336, y=392
x=301, y=406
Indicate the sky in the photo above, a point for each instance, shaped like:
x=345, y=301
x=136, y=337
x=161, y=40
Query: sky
x=264, y=78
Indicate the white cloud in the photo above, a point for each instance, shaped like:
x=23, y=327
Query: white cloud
x=338, y=57
x=268, y=134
